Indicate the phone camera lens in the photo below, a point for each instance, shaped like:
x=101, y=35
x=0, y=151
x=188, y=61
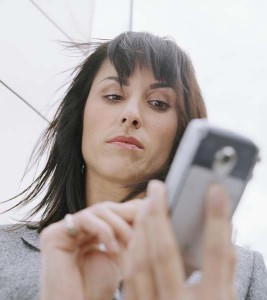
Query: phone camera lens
x=226, y=155
x=224, y=160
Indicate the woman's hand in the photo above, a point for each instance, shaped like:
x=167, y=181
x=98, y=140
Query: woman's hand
x=153, y=266
x=73, y=267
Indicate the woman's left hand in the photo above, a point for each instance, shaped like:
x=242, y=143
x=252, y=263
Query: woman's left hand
x=153, y=265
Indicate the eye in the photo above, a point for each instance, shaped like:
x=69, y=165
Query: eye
x=113, y=97
x=159, y=105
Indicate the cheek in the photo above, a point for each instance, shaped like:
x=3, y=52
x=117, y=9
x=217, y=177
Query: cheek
x=90, y=124
x=94, y=117
x=97, y=121
x=163, y=136
x=165, y=142
x=165, y=131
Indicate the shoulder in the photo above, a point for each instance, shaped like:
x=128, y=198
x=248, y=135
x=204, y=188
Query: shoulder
x=9, y=233
x=19, y=262
x=246, y=257
x=251, y=274
x=248, y=260
x=11, y=230
x=17, y=236
x=19, y=246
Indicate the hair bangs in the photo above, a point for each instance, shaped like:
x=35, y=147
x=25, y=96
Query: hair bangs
x=141, y=49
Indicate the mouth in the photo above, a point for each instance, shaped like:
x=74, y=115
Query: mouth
x=124, y=142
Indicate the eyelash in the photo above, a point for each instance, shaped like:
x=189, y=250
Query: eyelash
x=160, y=109
x=108, y=97
x=114, y=98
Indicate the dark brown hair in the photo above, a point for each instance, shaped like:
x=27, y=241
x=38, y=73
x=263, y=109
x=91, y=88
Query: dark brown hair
x=62, y=172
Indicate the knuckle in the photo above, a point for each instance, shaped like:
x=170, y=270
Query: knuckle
x=105, y=232
x=83, y=214
x=100, y=228
x=108, y=232
x=101, y=207
x=97, y=208
x=107, y=204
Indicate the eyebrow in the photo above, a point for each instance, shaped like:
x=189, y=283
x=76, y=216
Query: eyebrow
x=156, y=85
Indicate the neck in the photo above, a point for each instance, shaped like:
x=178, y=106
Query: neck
x=102, y=189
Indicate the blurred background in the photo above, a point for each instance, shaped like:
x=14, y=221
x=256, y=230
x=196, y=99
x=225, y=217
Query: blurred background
x=226, y=40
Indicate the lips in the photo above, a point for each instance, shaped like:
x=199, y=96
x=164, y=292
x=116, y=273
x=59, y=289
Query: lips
x=127, y=140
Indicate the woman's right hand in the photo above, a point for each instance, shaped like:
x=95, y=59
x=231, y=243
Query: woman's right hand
x=154, y=266
x=73, y=267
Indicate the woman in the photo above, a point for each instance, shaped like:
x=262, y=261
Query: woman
x=117, y=128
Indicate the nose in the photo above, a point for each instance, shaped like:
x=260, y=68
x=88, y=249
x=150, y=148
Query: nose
x=131, y=116
x=129, y=123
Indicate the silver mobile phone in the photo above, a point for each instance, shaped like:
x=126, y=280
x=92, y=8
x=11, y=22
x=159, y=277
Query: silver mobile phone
x=205, y=154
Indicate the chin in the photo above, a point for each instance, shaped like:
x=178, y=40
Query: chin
x=124, y=175
x=126, y=178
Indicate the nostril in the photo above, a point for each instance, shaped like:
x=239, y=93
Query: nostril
x=133, y=122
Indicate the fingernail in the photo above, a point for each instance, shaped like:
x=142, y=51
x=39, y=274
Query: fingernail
x=157, y=198
x=152, y=188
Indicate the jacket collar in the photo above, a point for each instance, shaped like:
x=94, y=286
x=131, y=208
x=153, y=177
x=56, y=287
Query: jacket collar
x=31, y=237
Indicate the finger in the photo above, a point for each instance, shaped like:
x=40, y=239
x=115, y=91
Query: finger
x=138, y=278
x=94, y=228
x=120, y=227
x=126, y=210
x=217, y=259
x=165, y=258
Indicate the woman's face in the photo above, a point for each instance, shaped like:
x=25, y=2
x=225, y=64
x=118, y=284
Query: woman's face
x=128, y=130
